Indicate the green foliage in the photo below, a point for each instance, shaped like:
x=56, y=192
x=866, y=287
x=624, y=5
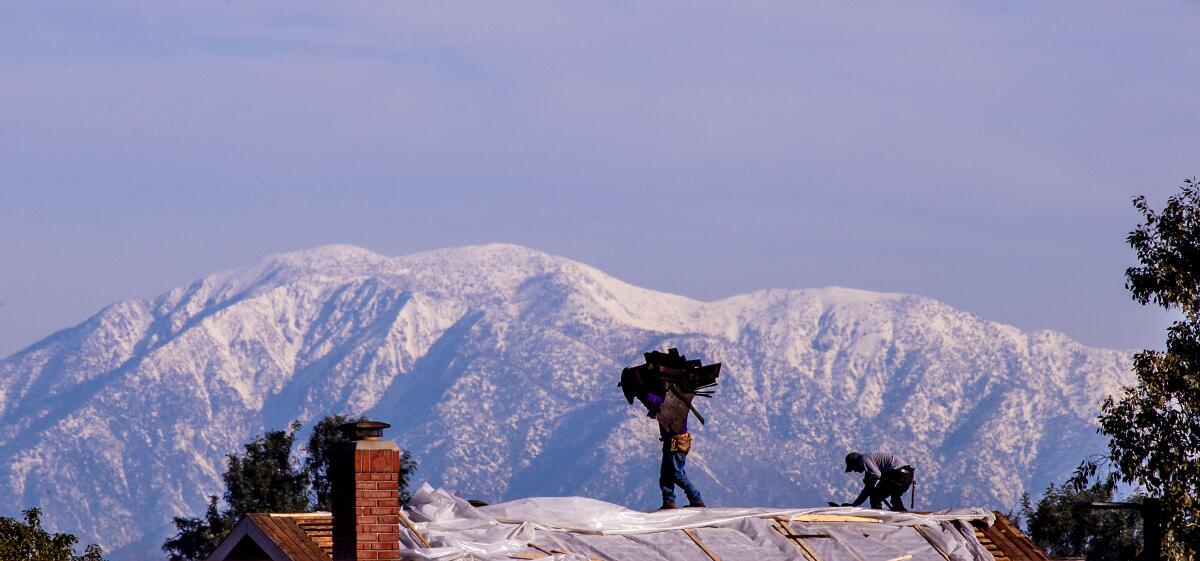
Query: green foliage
x=1062, y=531
x=198, y=537
x=266, y=478
x=1155, y=425
x=325, y=435
x=408, y=466
x=1168, y=247
x=29, y=542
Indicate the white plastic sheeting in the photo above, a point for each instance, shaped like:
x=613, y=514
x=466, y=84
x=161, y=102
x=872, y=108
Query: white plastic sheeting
x=579, y=529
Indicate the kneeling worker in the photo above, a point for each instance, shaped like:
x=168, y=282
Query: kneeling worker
x=886, y=476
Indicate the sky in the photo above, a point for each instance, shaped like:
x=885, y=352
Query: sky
x=980, y=153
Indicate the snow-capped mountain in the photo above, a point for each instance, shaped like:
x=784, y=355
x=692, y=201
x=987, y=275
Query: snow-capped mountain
x=497, y=366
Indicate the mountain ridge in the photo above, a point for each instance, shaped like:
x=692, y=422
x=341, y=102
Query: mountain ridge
x=495, y=362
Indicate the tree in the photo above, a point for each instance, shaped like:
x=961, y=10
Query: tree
x=325, y=435
x=1061, y=531
x=266, y=478
x=29, y=542
x=198, y=537
x=1154, y=425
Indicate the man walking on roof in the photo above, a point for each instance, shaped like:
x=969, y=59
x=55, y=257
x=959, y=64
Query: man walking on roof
x=671, y=413
x=886, y=475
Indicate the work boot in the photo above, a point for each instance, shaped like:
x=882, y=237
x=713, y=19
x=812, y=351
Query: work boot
x=668, y=506
x=697, y=504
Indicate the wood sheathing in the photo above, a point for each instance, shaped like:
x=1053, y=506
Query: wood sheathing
x=303, y=537
x=1006, y=542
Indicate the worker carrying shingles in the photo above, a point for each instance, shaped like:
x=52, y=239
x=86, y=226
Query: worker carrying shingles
x=886, y=475
x=672, y=413
x=666, y=385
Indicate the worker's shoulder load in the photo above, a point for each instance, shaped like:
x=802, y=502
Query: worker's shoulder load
x=668, y=371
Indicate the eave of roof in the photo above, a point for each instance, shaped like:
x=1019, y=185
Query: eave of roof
x=283, y=537
x=1006, y=542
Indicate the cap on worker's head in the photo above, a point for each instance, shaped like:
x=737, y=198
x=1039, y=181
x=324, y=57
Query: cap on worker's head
x=853, y=460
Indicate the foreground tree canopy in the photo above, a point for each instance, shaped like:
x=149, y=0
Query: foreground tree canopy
x=266, y=478
x=27, y=541
x=1062, y=531
x=1154, y=425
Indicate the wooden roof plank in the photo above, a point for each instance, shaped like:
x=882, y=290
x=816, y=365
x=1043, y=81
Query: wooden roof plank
x=295, y=542
x=319, y=528
x=692, y=534
x=291, y=543
x=408, y=524
x=932, y=543
x=786, y=529
x=1010, y=541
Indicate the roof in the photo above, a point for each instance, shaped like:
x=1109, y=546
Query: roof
x=589, y=530
x=279, y=537
x=1006, y=542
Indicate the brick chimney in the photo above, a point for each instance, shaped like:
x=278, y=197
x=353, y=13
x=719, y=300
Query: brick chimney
x=365, y=486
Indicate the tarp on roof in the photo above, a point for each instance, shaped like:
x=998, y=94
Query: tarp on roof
x=579, y=529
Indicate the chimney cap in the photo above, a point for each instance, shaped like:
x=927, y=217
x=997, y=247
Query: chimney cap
x=363, y=430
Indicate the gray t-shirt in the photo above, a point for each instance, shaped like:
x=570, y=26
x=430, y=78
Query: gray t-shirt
x=875, y=463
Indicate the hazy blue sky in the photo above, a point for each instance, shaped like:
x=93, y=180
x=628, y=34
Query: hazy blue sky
x=983, y=154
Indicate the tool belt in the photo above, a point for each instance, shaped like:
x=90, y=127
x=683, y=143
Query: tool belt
x=678, y=443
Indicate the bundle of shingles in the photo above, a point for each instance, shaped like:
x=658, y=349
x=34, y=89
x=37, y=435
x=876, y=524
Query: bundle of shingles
x=670, y=372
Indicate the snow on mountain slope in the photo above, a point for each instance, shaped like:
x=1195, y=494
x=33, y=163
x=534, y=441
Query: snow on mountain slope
x=497, y=366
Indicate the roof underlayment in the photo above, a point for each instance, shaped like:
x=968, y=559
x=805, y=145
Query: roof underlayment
x=582, y=529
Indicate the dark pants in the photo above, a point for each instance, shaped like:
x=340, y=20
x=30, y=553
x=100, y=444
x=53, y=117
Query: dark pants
x=671, y=474
x=893, y=485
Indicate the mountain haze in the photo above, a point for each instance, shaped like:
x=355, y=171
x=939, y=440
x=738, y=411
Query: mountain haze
x=497, y=366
